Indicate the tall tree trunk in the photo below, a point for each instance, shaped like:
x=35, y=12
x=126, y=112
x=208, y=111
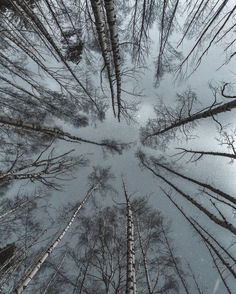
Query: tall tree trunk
x=210, y=112
x=34, y=270
x=224, y=224
x=16, y=207
x=195, y=280
x=195, y=225
x=204, y=185
x=175, y=263
x=111, y=19
x=36, y=21
x=149, y=286
x=218, y=269
x=202, y=153
x=52, y=278
x=52, y=132
x=131, y=273
x=100, y=27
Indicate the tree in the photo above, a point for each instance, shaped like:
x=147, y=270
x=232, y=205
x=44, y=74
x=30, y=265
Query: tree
x=220, y=220
x=103, y=260
x=97, y=183
x=163, y=128
x=20, y=224
x=209, y=21
x=63, y=66
x=211, y=246
x=226, y=139
x=131, y=268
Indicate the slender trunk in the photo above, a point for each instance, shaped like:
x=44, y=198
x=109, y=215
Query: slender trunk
x=218, y=270
x=205, y=30
x=52, y=132
x=149, y=286
x=55, y=274
x=190, y=22
x=204, y=185
x=175, y=263
x=34, y=270
x=111, y=19
x=211, y=153
x=100, y=27
x=51, y=108
x=16, y=207
x=195, y=225
x=230, y=227
x=35, y=20
x=38, y=61
x=211, y=111
x=195, y=280
x=89, y=258
x=131, y=274
x=221, y=246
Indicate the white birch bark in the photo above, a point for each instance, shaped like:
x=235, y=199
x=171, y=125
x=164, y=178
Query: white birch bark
x=131, y=274
x=111, y=19
x=34, y=270
x=100, y=27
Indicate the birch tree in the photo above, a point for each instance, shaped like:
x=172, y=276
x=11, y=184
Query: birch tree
x=216, y=250
x=30, y=275
x=169, y=121
x=220, y=220
x=217, y=18
x=114, y=37
x=131, y=271
x=226, y=140
x=101, y=261
x=51, y=55
x=20, y=229
x=100, y=23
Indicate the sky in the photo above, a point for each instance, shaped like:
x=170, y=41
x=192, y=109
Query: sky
x=141, y=182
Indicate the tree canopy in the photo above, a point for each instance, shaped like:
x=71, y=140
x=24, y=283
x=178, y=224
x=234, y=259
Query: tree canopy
x=117, y=146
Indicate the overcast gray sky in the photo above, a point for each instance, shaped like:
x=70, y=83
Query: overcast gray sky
x=216, y=170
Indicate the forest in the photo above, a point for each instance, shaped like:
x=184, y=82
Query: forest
x=117, y=146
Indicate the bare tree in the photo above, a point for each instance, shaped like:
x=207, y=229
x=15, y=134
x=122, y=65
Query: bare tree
x=208, y=22
x=163, y=128
x=101, y=261
x=51, y=55
x=178, y=271
x=47, y=168
x=167, y=53
x=213, y=246
x=131, y=271
x=100, y=23
x=20, y=225
x=35, y=267
x=226, y=139
x=220, y=220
